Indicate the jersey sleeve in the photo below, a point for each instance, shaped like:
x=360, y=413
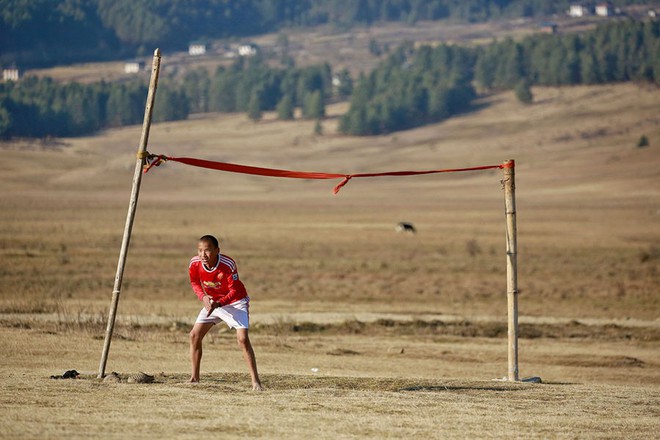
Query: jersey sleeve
x=195, y=282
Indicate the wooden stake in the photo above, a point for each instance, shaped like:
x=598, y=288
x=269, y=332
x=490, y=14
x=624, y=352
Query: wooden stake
x=137, y=178
x=511, y=266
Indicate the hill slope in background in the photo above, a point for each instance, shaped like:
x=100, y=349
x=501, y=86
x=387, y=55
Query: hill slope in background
x=44, y=32
x=588, y=203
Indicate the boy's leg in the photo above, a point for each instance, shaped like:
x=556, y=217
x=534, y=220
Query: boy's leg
x=248, y=354
x=197, y=333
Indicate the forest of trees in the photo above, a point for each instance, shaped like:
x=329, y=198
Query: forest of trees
x=613, y=52
x=46, y=32
x=411, y=87
x=42, y=107
x=251, y=84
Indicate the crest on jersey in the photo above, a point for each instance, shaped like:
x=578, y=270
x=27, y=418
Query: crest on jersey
x=235, y=276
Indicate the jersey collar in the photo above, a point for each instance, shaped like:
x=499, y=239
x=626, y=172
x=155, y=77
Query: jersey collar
x=217, y=263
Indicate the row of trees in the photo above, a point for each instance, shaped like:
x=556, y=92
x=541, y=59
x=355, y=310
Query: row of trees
x=250, y=85
x=46, y=32
x=42, y=107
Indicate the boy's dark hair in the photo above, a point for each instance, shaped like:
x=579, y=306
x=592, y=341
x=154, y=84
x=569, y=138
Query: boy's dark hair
x=211, y=239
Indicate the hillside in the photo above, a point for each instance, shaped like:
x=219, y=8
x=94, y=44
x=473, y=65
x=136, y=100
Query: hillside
x=340, y=48
x=46, y=33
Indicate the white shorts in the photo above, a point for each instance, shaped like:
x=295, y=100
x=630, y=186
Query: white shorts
x=235, y=315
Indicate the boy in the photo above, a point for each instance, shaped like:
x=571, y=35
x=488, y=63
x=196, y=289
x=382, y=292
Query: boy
x=214, y=279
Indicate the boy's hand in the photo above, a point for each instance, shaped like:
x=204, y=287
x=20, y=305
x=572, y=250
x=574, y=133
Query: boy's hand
x=208, y=303
x=214, y=305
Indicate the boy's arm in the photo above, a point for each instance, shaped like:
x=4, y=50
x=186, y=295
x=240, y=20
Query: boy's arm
x=195, y=282
x=197, y=287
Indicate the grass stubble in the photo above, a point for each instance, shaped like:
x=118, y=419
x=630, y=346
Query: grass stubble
x=404, y=332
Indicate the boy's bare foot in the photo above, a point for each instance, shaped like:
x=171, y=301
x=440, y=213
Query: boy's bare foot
x=193, y=380
x=257, y=387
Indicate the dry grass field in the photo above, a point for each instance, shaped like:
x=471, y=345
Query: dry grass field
x=359, y=331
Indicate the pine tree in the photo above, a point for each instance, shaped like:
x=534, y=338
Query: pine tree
x=5, y=122
x=116, y=106
x=484, y=73
x=285, y=108
x=438, y=104
x=254, y=107
x=172, y=105
x=345, y=84
x=196, y=85
x=374, y=48
x=524, y=92
x=313, y=107
x=588, y=69
x=223, y=92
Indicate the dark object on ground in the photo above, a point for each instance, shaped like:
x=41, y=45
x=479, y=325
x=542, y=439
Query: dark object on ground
x=405, y=227
x=69, y=374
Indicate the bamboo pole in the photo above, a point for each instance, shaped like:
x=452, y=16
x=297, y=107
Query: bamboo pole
x=511, y=267
x=132, y=206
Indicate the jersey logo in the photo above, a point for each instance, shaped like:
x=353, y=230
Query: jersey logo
x=212, y=285
x=235, y=276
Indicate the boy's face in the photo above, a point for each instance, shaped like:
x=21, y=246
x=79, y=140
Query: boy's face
x=207, y=253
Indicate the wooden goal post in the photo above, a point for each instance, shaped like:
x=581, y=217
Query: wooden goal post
x=137, y=179
x=511, y=267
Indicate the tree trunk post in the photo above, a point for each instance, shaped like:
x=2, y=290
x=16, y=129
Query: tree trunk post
x=511, y=267
x=132, y=206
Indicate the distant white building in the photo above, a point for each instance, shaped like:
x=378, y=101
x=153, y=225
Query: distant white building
x=196, y=49
x=11, y=74
x=579, y=10
x=248, y=50
x=604, y=9
x=133, y=66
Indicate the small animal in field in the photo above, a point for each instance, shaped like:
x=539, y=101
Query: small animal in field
x=405, y=227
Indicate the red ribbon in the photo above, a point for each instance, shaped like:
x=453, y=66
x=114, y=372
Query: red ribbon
x=156, y=160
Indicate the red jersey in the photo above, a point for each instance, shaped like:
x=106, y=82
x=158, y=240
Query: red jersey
x=220, y=282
